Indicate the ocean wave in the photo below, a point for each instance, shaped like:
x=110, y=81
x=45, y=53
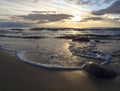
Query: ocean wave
x=64, y=33
x=20, y=54
x=89, y=51
x=96, y=37
x=78, y=29
x=90, y=36
x=25, y=37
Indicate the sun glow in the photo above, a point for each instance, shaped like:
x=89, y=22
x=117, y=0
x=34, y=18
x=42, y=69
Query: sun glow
x=76, y=16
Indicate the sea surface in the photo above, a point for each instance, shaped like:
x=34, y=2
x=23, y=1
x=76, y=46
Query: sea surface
x=54, y=48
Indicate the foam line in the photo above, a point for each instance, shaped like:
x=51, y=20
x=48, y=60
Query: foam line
x=20, y=55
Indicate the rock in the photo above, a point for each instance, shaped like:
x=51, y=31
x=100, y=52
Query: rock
x=99, y=72
x=97, y=40
x=67, y=37
x=81, y=39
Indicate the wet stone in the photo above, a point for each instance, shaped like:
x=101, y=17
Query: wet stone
x=99, y=72
x=97, y=41
x=81, y=39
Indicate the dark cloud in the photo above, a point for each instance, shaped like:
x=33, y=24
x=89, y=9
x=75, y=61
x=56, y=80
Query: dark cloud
x=92, y=18
x=90, y=2
x=39, y=12
x=117, y=19
x=100, y=19
x=113, y=9
x=108, y=1
x=43, y=18
x=35, y=0
x=13, y=24
x=84, y=2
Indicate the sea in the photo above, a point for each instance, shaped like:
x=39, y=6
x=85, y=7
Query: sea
x=55, y=48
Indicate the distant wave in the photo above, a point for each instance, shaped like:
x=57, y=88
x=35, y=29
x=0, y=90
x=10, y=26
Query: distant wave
x=95, y=35
x=65, y=33
x=90, y=36
x=25, y=37
x=69, y=36
x=57, y=29
x=78, y=29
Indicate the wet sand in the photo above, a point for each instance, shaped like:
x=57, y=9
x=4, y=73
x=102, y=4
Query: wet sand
x=18, y=76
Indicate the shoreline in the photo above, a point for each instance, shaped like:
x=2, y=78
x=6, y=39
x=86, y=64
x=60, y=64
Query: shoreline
x=20, y=56
x=18, y=76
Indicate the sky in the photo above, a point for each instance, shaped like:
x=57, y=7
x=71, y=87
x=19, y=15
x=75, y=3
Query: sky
x=60, y=13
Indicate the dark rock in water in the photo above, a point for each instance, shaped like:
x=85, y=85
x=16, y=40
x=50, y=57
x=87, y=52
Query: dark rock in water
x=81, y=39
x=32, y=37
x=67, y=37
x=97, y=40
x=17, y=29
x=100, y=72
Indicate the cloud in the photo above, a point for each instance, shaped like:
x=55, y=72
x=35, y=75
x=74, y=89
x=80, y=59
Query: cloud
x=89, y=2
x=42, y=18
x=117, y=19
x=38, y=12
x=13, y=24
x=108, y=1
x=83, y=2
x=92, y=18
x=35, y=0
x=113, y=9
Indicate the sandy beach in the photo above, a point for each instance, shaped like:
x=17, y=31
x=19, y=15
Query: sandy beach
x=17, y=76
x=59, y=45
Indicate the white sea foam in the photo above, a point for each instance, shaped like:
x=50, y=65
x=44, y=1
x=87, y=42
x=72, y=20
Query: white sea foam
x=20, y=55
x=90, y=51
x=6, y=48
x=15, y=37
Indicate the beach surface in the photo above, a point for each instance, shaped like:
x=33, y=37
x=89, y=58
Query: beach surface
x=18, y=76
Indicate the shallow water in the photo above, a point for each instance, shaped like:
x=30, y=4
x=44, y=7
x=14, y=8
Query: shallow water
x=65, y=53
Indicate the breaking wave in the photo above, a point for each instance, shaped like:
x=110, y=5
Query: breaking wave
x=20, y=55
x=89, y=50
x=103, y=46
